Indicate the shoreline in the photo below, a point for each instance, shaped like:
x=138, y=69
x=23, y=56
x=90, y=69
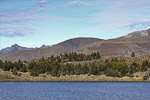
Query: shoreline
x=7, y=76
x=72, y=78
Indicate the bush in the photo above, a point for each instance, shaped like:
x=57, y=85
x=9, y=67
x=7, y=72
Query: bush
x=133, y=68
x=120, y=67
x=94, y=69
x=133, y=54
x=144, y=77
x=145, y=65
x=1, y=64
x=33, y=73
x=14, y=72
x=19, y=74
x=23, y=69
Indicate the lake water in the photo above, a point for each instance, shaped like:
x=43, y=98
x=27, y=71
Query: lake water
x=74, y=91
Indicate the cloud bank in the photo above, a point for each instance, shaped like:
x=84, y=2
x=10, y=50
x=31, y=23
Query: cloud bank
x=119, y=14
x=41, y=3
x=16, y=31
x=123, y=14
x=75, y=4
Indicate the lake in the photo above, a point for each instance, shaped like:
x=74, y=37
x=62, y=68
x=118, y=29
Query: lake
x=74, y=90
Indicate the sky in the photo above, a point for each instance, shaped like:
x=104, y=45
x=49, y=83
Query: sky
x=32, y=23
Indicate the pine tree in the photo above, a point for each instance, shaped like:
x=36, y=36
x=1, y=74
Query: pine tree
x=133, y=54
x=1, y=64
x=98, y=56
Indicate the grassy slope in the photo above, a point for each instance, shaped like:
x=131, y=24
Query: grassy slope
x=120, y=46
x=66, y=46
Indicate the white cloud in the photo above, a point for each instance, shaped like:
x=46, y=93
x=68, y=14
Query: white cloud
x=16, y=31
x=25, y=15
x=74, y=4
x=42, y=2
x=127, y=14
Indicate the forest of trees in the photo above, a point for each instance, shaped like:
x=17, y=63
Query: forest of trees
x=71, y=64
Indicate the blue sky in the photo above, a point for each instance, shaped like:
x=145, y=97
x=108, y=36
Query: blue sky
x=32, y=23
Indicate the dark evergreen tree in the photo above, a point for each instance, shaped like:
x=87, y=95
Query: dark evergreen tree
x=144, y=65
x=133, y=54
x=1, y=64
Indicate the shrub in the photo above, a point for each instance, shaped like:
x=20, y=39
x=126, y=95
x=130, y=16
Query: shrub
x=19, y=74
x=1, y=64
x=133, y=54
x=33, y=73
x=23, y=69
x=144, y=65
x=144, y=77
x=120, y=66
x=14, y=72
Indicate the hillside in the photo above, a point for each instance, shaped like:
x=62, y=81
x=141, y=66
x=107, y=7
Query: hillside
x=78, y=67
x=138, y=42
x=66, y=46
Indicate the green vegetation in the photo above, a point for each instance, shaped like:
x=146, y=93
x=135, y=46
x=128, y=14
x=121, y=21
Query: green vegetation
x=75, y=64
x=133, y=54
x=145, y=65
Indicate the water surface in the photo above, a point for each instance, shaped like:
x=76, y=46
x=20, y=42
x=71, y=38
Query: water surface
x=74, y=91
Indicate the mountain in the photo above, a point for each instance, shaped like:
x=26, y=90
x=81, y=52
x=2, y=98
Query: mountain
x=138, y=42
x=139, y=34
x=44, y=46
x=66, y=46
x=16, y=47
x=13, y=48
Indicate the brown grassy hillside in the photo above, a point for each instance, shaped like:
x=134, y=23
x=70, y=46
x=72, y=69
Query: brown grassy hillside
x=66, y=46
x=138, y=42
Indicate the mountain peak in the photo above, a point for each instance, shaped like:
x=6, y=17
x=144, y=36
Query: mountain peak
x=44, y=46
x=65, y=46
x=138, y=33
x=12, y=49
x=15, y=45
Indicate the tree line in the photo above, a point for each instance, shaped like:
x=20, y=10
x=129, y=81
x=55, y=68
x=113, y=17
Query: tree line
x=73, y=64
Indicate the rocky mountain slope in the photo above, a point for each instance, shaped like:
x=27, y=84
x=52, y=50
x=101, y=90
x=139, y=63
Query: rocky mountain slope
x=138, y=42
x=16, y=47
x=138, y=34
x=13, y=48
x=66, y=46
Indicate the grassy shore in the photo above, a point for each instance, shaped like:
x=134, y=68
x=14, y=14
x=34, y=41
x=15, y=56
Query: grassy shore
x=8, y=76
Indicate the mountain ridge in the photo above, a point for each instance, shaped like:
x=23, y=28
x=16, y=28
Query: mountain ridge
x=138, y=42
x=62, y=47
x=138, y=33
x=16, y=47
x=125, y=45
x=13, y=48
